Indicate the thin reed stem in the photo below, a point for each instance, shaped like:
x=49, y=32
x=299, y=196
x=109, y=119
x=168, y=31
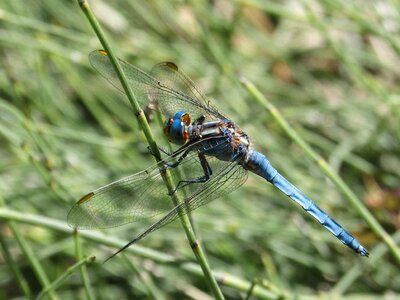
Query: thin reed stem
x=342, y=186
x=194, y=243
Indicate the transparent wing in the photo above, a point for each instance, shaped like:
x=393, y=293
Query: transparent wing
x=139, y=196
x=146, y=87
x=173, y=78
x=229, y=178
x=144, y=195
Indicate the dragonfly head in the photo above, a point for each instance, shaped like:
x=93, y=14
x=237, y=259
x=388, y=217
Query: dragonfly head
x=176, y=129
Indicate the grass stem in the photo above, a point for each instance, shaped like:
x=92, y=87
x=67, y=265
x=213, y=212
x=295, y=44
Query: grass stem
x=198, y=251
x=342, y=186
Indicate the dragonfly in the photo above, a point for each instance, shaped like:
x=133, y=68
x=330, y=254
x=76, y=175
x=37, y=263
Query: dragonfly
x=212, y=158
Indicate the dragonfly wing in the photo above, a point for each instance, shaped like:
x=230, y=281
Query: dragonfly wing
x=226, y=177
x=139, y=81
x=139, y=196
x=173, y=78
x=148, y=88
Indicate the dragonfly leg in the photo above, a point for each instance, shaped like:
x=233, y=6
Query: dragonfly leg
x=164, y=151
x=207, y=174
x=155, y=155
x=200, y=120
x=178, y=161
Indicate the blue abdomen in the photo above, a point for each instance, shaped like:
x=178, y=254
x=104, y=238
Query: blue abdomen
x=259, y=164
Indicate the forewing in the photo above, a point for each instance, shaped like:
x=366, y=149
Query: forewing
x=173, y=78
x=144, y=195
x=146, y=87
x=139, y=81
x=139, y=196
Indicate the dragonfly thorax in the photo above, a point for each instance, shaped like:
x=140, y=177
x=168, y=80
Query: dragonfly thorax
x=179, y=131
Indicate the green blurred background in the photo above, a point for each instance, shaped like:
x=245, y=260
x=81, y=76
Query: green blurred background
x=330, y=67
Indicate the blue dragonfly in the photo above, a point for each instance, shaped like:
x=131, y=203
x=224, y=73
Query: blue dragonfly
x=212, y=150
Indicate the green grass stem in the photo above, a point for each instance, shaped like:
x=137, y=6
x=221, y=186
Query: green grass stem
x=342, y=186
x=61, y=279
x=82, y=268
x=194, y=243
x=158, y=257
x=13, y=266
x=33, y=261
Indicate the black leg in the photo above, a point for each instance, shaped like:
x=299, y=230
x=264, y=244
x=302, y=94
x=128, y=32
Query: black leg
x=152, y=153
x=162, y=150
x=200, y=120
x=207, y=174
x=179, y=160
x=166, y=152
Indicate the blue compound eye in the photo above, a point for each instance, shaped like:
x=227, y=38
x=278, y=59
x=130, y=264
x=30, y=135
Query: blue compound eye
x=183, y=116
x=176, y=129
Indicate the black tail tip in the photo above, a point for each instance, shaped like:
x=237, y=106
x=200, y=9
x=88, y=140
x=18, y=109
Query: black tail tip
x=362, y=251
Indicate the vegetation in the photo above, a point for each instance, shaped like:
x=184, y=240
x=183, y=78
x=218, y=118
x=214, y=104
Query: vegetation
x=313, y=83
